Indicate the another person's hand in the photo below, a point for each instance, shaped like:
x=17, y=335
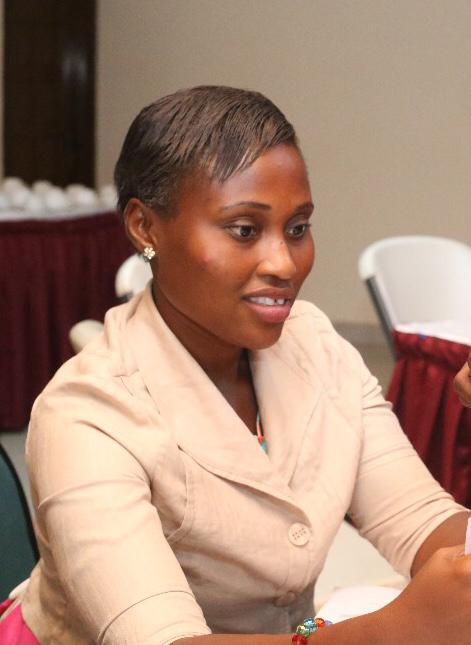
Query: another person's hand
x=435, y=608
x=463, y=383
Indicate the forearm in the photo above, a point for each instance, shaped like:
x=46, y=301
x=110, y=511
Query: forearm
x=450, y=533
x=375, y=629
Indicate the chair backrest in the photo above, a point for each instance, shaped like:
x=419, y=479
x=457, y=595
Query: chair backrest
x=131, y=277
x=83, y=332
x=418, y=278
x=18, y=549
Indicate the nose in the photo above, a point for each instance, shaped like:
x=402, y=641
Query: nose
x=277, y=261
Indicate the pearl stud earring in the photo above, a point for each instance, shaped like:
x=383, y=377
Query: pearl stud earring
x=148, y=253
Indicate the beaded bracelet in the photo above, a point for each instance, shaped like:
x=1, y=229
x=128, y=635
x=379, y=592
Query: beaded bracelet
x=308, y=627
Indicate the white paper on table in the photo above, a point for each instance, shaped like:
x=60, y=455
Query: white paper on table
x=349, y=602
x=456, y=331
x=467, y=543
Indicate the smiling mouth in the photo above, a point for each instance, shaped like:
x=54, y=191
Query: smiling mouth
x=269, y=302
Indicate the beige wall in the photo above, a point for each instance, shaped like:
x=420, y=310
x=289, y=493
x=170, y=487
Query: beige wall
x=379, y=91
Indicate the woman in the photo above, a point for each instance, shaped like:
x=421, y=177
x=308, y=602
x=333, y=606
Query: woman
x=191, y=467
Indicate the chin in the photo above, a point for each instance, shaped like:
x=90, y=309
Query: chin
x=263, y=341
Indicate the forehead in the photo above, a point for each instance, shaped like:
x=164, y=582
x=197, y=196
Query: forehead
x=277, y=175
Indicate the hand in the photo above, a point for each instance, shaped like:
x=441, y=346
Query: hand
x=436, y=606
x=463, y=385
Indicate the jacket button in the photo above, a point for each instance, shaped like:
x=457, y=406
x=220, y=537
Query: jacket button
x=285, y=600
x=299, y=534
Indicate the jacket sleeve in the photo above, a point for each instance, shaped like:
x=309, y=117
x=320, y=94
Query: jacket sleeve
x=396, y=502
x=98, y=530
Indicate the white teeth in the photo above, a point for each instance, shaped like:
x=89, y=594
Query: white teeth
x=268, y=302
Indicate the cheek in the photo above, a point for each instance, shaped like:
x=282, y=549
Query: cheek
x=209, y=261
x=192, y=261
x=306, y=259
x=222, y=267
x=313, y=254
x=212, y=267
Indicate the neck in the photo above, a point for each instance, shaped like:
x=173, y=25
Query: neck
x=225, y=364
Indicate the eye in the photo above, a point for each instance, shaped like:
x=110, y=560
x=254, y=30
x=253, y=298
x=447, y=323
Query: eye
x=243, y=231
x=298, y=231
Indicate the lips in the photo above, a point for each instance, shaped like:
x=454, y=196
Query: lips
x=271, y=308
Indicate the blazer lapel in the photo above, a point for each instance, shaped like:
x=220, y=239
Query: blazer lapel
x=205, y=426
x=286, y=399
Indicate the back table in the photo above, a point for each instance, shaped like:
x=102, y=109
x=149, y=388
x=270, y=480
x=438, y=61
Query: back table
x=52, y=274
x=422, y=394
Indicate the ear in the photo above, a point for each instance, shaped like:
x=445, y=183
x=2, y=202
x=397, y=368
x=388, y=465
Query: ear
x=139, y=222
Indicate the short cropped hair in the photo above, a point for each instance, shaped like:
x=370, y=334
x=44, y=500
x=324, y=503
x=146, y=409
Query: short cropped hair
x=220, y=130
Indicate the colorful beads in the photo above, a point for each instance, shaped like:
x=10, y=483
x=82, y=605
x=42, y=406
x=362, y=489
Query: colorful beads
x=263, y=444
x=308, y=627
x=303, y=630
x=260, y=435
x=297, y=639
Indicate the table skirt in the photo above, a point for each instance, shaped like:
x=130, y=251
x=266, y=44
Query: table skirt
x=52, y=275
x=423, y=398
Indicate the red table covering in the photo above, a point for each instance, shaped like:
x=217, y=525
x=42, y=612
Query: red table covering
x=52, y=274
x=430, y=413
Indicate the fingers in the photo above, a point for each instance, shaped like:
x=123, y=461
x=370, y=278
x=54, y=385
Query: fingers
x=443, y=582
x=462, y=383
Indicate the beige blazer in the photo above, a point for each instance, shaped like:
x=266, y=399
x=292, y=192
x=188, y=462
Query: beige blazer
x=159, y=516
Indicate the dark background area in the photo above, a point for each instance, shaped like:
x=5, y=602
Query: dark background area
x=49, y=90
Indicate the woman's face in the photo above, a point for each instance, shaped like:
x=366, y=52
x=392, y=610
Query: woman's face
x=230, y=263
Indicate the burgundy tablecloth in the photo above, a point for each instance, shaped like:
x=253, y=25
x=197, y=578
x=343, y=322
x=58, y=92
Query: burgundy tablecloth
x=52, y=274
x=422, y=394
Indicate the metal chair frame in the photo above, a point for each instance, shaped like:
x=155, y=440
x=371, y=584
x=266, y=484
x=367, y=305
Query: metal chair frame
x=23, y=505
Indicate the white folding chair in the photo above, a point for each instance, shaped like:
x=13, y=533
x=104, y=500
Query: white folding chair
x=417, y=278
x=131, y=277
x=83, y=332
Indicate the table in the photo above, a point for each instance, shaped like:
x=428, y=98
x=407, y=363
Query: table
x=424, y=400
x=52, y=274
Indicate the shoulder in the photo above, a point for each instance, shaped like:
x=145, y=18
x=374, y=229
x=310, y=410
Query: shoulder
x=309, y=332
x=96, y=373
x=100, y=394
x=306, y=317
x=312, y=344
x=105, y=364
x=311, y=347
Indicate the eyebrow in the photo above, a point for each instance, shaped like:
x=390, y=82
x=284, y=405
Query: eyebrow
x=249, y=203
x=263, y=206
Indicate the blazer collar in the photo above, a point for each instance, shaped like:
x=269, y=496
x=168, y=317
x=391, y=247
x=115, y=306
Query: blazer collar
x=205, y=426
